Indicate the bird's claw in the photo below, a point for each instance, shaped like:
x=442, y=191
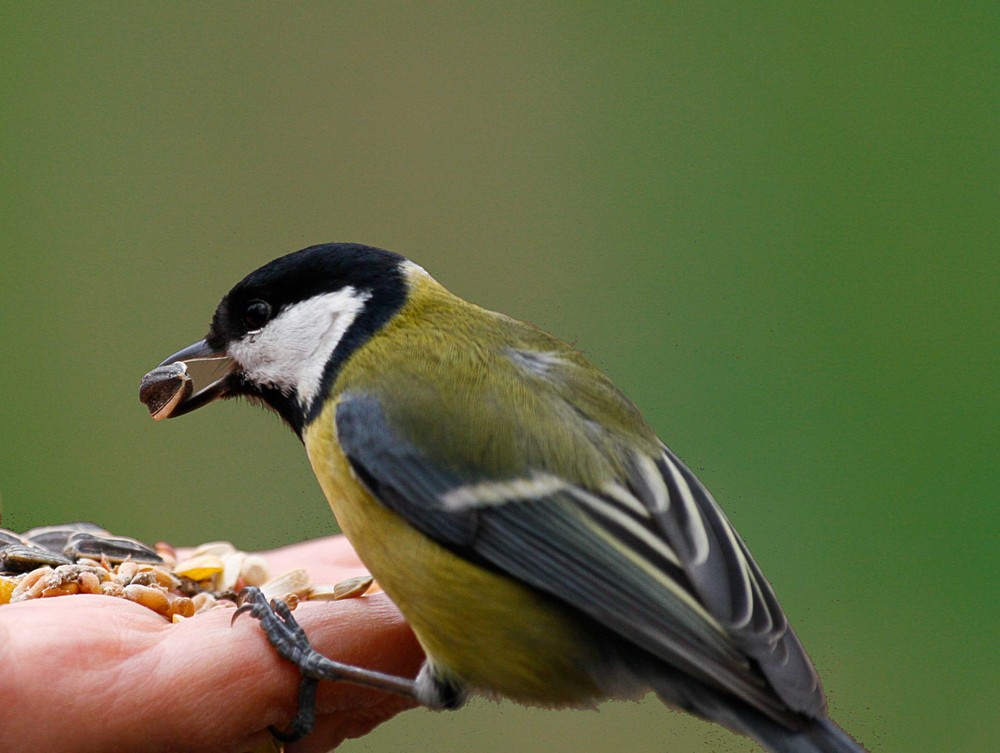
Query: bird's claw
x=291, y=643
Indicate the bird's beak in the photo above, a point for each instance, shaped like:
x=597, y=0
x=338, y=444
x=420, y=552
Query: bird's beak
x=187, y=380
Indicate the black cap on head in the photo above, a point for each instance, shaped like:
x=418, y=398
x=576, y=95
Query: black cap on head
x=303, y=274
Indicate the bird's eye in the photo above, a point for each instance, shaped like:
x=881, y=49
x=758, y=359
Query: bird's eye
x=256, y=314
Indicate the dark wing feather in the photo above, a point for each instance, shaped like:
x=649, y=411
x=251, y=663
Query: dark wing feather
x=727, y=580
x=399, y=475
x=675, y=611
x=570, y=560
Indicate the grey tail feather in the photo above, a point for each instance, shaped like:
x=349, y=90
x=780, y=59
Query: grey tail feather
x=819, y=735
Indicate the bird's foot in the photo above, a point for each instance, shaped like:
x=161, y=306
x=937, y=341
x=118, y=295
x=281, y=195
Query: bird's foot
x=291, y=642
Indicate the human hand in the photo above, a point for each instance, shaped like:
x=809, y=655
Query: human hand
x=95, y=673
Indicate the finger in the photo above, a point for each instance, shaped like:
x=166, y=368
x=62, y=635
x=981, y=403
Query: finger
x=367, y=632
x=332, y=729
x=327, y=560
x=348, y=711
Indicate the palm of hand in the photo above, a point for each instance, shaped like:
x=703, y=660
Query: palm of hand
x=94, y=673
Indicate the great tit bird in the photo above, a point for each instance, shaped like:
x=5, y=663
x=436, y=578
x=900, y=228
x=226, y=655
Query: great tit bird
x=539, y=538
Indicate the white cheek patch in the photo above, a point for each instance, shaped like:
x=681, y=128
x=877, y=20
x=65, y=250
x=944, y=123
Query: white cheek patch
x=292, y=349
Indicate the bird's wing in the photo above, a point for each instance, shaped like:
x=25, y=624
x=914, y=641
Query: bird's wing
x=725, y=577
x=646, y=553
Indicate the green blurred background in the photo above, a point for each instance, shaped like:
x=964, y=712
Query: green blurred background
x=775, y=228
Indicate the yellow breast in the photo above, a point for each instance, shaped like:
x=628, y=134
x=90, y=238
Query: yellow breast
x=486, y=629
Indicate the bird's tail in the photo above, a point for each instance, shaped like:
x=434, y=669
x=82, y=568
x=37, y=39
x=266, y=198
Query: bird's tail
x=820, y=735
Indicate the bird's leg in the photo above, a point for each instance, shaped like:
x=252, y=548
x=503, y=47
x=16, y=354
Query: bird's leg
x=291, y=642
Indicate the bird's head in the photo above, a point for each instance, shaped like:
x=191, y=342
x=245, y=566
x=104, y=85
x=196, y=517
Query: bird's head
x=281, y=334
